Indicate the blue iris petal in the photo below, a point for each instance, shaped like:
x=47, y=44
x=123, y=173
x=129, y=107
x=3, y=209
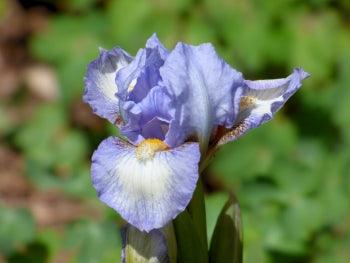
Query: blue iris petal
x=147, y=191
x=205, y=91
x=146, y=107
x=260, y=100
x=100, y=87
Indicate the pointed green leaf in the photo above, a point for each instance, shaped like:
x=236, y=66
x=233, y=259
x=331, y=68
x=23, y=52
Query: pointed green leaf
x=227, y=244
x=196, y=209
x=169, y=233
x=189, y=247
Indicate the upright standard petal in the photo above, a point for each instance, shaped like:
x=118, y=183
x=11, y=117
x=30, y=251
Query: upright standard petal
x=144, y=247
x=148, y=184
x=100, y=87
x=145, y=106
x=154, y=43
x=260, y=100
x=142, y=74
x=204, y=88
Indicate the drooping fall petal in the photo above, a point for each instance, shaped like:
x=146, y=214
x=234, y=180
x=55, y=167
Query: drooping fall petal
x=147, y=185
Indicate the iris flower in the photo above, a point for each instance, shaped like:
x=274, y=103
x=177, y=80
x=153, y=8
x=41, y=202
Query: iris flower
x=172, y=108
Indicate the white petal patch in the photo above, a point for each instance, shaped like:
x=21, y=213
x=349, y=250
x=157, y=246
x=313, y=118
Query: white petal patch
x=260, y=100
x=143, y=179
x=107, y=84
x=100, y=86
x=146, y=192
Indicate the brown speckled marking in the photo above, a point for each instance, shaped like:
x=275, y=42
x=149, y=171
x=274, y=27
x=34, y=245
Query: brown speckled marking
x=234, y=133
x=246, y=102
x=119, y=121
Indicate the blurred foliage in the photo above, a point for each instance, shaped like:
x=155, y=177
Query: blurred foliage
x=291, y=176
x=95, y=242
x=16, y=228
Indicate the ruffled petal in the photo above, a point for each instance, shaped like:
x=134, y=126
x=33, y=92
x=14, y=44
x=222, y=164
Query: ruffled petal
x=100, y=87
x=142, y=74
x=147, y=187
x=204, y=88
x=144, y=247
x=154, y=43
x=260, y=100
x=145, y=106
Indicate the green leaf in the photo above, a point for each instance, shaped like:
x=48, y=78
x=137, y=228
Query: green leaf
x=94, y=242
x=34, y=252
x=48, y=141
x=3, y=7
x=53, y=241
x=227, y=244
x=81, y=35
x=269, y=144
x=334, y=248
x=196, y=209
x=5, y=121
x=17, y=228
x=80, y=5
x=213, y=204
x=169, y=233
x=189, y=250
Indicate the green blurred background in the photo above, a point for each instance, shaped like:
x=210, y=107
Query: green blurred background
x=291, y=176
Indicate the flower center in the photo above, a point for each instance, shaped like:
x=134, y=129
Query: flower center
x=146, y=149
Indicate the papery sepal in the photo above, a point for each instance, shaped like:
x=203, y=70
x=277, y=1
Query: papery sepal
x=153, y=247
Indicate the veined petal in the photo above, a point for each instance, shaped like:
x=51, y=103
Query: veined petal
x=204, y=88
x=147, y=185
x=142, y=74
x=260, y=100
x=100, y=87
x=144, y=247
x=145, y=106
